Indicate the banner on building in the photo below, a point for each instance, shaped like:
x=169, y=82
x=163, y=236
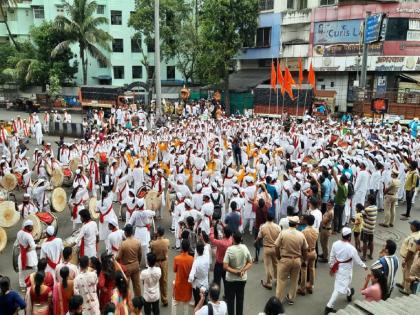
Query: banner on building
x=332, y=32
x=342, y=50
x=373, y=28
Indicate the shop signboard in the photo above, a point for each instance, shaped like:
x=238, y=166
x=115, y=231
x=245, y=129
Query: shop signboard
x=347, y=31
x=342, y=50
x=373, y=28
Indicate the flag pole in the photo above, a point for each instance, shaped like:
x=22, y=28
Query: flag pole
x=277, y=89
x=304, y=104
x=269, y=102
x=282, y=108
x=297, y=103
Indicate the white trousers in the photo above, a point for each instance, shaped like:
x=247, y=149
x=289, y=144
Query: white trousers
x=184, y=306
x=334, y=297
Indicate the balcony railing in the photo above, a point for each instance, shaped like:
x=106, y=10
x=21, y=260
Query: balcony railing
x=296, y=17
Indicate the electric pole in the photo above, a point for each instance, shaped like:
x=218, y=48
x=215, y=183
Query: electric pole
x=157, y=62
x=363, y=73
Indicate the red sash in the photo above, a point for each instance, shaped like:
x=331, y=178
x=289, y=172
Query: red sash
x=82, y=247
x=121, y=192
x=334, y=267
x=102, y=216
x=130, y=211
x=75, y=208
x=24, y=253
x=115, y=249
x=50, y=263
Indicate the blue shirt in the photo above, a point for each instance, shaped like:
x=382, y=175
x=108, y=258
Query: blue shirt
x=274, y=196
x=326, y=190
x=414, y=125
x=10, y=302
x=233, y=221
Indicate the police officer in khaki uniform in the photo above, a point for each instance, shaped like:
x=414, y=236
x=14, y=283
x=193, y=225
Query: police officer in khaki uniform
x=307, y=272
x=160, y=248
x=407, y=252
x=291, y=249
x=269, y=233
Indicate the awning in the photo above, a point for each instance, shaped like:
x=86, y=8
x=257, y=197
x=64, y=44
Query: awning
x=415, y=77
x=247, y=79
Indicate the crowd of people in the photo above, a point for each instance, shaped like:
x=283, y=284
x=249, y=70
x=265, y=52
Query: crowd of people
x=290, y=185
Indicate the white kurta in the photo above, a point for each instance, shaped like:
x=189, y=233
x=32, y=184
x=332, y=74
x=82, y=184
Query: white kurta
x=249, y=196
x=51, y=250
x=342, y=251
x=115, y=239
x=88, y=232
x=140, y=220
x=105, y=210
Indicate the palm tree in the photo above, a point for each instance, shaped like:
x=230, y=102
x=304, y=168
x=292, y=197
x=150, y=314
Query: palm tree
x=4, y=6
x=82, y=28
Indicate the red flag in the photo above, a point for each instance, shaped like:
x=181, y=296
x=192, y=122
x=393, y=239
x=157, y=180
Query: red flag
x=280, y=78
x=311, y=77
x=273, y=76
x=288, y=82
x=300, y=72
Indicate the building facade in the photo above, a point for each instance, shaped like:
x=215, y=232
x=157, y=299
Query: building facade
x=125, y=55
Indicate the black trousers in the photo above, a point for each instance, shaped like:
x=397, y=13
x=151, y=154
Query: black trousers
x=218, y=274
x=150, y=307
x=235, y=295
x=238, y=157
x=338, y=218
x=409, y=198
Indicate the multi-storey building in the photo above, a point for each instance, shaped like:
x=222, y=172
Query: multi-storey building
x=125, y=56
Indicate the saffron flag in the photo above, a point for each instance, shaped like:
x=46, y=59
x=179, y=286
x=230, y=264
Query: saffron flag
x=273, y=76
x=280, y=78
x=300, y=72
x=311, y=77
x=288, y=82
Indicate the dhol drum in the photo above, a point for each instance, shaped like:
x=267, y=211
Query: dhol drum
x=92, y=208
x=68, y=176
x=16, y=252
x=153, y=200
x=71, y=242
x=41, y=221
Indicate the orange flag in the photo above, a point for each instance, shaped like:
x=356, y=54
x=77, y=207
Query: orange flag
x=311, y=77
x=273, y=76
x=280, y=78
x=288, y=82
x=300, y=72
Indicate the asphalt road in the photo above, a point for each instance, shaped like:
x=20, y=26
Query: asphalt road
x=255, y=295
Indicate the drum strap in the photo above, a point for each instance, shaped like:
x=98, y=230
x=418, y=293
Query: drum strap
x=75, y=208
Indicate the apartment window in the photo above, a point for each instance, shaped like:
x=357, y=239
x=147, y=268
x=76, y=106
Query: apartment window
x=118, y=45
x=135, y=45
x=100, y=9
x=265, y=5
x=170, y=72
x=263, y=37
x=116, y=17
x=11, y=15
x=118, y=72
x=102, y=65
x=297, y=4
x=328, y=2
x=39, y=12
x=151, y=45
x=137, y=72
x=151, y=72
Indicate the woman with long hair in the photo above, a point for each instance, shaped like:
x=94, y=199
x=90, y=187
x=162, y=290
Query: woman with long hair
x=38, y=297
x=106, y=280
x=62, y=293
x=378, y=290
x=121, y=296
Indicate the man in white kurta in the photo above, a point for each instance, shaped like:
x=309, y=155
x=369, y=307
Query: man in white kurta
x=88, y=237
x=106, y=212
x=207, y=212
x=360, y=188
x=51, y=250
x=248, y=214
x=27, y=207
x=115, y=238
x=141, y=220
x=344, y=254
x=27, y=260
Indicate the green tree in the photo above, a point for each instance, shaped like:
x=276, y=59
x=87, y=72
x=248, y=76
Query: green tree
x=5, y=5
x=173, y=13
x=33, y=64
x=54, y=86
x=82, y=27
x=225, y=25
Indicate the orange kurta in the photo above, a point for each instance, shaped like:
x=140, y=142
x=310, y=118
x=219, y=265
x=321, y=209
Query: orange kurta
x=182, y=267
